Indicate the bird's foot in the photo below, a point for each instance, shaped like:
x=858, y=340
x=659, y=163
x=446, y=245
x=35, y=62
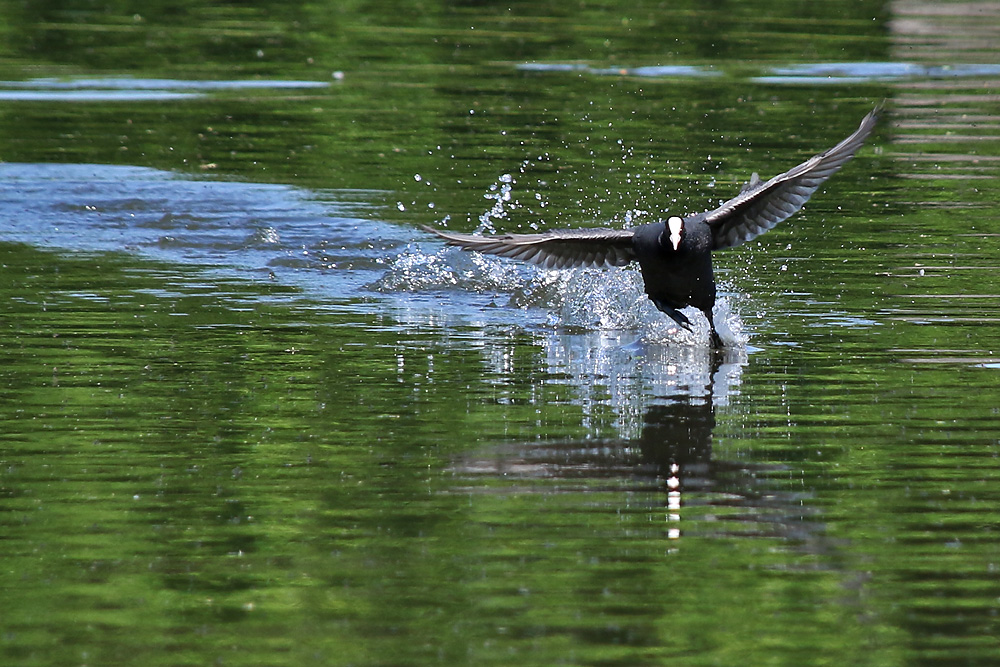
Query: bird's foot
x=677, y=316
x=714, y=340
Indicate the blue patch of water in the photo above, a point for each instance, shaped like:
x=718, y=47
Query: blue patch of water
x=131, y=89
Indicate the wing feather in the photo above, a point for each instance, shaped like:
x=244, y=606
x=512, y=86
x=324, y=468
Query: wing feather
x=760, y=206
x=553, y=249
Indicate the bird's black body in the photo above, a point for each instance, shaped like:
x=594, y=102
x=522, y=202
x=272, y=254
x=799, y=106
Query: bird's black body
x=675, y=255
x=681, y=277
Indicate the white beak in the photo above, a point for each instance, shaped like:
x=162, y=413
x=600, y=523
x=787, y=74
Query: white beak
x=676, y=225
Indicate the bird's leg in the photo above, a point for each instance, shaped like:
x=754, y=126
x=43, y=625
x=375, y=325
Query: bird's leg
x=674, y=314
x=714, y=340
x=713, y=336
x=681, y=319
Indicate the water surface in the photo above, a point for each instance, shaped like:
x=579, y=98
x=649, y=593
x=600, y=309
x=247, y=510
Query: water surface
x=252, y=414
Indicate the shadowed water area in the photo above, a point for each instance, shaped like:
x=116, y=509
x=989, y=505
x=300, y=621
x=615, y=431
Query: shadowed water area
x=251, y=413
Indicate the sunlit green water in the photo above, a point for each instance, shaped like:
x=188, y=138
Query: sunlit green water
x=250, y=415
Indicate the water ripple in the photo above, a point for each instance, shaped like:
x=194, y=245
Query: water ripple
x=803, y=73
x=132, y=89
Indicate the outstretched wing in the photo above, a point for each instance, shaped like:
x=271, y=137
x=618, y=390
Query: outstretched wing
x=760, y=206
x=559, y=249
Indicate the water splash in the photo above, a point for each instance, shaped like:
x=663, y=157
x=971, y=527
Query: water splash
x=414, y=270
x=604, y=300
x=500, y=193
x=581, y=300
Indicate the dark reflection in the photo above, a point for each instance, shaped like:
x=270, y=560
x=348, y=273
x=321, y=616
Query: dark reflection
x=678, y=433
x=671, y=458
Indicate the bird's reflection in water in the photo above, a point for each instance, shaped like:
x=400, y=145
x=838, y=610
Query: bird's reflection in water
x=668, y=460
x=678, y=434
